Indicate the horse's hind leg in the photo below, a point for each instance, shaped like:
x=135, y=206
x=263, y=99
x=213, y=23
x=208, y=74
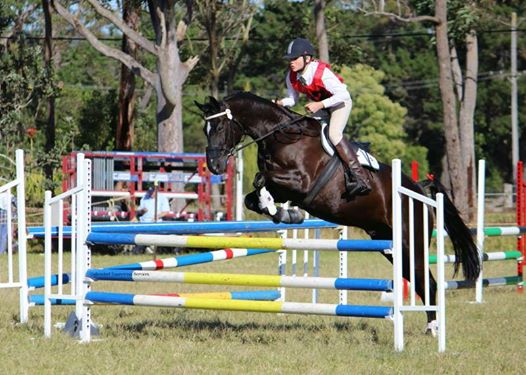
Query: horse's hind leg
x=420, y=289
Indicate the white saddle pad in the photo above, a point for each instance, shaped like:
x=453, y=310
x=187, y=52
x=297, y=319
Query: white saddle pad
x=365, y=159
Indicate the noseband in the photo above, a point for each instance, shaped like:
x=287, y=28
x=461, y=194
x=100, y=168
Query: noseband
x=215, y=152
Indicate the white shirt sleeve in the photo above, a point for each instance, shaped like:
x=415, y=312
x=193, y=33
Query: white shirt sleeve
x=337, y=88
x=292, y=95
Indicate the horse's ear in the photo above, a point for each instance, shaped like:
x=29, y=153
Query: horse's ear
x=199, y=105
x=214, y=102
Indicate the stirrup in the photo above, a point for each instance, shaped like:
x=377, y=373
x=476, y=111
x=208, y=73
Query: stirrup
x=355, y=186
x=358, y=188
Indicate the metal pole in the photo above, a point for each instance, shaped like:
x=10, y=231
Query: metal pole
x=22, y=239
x=398, y=318
x=239, y=185
x=441, y=280
x=514, y=105
x=480, y=227
x=47, y=264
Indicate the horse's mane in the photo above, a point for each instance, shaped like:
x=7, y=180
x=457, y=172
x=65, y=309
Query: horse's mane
x=246, y=95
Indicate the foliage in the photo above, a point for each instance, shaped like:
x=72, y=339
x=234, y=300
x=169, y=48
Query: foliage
x=24, y=83
x=98, y=121
x=375, y=118
x=265, y=71
x=85, y=81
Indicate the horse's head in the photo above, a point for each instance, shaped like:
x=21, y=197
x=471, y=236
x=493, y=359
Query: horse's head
x=222, y=132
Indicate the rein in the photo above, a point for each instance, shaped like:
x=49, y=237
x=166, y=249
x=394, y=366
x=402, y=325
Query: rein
x=278, y=127
x=266, y=135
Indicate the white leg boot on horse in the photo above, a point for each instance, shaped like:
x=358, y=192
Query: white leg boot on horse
x=356, y=181
x=278, y=214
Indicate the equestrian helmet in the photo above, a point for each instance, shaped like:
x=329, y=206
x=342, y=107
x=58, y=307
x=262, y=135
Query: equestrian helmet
x=299, y=47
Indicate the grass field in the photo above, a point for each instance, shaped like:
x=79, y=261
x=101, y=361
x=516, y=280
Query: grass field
x=486, y=338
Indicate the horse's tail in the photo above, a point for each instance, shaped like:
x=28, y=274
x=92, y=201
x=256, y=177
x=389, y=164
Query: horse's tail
x=466, y=251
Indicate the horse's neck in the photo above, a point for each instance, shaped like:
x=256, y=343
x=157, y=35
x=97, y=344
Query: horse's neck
x=259, y=123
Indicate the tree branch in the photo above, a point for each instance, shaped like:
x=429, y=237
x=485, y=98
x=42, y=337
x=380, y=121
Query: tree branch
x=397, y=17
x=19, y=24
x=114, y=53
x=457, y=74
x=117, y=21
x=162, y=26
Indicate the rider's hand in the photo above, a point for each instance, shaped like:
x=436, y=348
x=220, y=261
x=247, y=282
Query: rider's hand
x=278, y=102
x=314, y=106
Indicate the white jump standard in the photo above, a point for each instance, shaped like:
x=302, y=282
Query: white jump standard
x=85, y=278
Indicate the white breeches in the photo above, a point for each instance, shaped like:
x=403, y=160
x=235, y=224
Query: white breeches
x=339, y=117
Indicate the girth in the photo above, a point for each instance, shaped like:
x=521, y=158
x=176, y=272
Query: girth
x=322, y=180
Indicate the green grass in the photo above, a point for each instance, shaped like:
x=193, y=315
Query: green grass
x=482, y=339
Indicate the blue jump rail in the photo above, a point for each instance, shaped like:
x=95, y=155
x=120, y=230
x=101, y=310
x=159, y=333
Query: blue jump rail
x=189, y=227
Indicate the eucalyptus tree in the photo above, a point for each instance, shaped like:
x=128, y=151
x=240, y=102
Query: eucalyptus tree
x=170, y=72
x=456, y=91
x=226, y=26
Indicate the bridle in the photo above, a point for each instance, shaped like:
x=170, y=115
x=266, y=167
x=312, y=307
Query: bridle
x=228, y=113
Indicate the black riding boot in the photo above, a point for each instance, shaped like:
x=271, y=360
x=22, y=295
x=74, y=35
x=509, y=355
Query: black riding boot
x=357, y=184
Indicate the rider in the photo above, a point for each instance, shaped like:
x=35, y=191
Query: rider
x=324, y=89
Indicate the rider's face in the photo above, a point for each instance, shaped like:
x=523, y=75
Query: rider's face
x=298, y=63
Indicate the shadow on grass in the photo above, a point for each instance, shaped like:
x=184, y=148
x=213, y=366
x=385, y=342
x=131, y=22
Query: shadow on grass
x=201, y=329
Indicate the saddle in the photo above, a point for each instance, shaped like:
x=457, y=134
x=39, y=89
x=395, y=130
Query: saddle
x=361, y=148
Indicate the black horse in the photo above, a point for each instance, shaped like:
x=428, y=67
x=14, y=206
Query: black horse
x=290, y=161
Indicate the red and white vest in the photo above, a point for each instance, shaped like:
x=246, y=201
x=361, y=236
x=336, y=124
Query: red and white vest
x=316, y=91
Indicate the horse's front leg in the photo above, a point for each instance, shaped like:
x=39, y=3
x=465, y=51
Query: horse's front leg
x=262, y=202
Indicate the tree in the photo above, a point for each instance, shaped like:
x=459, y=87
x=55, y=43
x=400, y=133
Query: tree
x=24, y=81
x=170, y=73
x=458, y=131
x=131, y=10
x=227, y=25
x=321, y=30
x=48, y=63
x=377, y=119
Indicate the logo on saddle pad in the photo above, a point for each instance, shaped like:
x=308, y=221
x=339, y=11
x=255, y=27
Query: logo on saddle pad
x=365, y=159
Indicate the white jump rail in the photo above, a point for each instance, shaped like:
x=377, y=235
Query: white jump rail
x=12, y=281
x=80, y=226
x=399, y=306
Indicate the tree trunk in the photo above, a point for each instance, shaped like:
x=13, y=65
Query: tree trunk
x=467, y=113
x=169, y=122
x=127, y=97
x=451, y=131
x=321, y=31
x=48, y=61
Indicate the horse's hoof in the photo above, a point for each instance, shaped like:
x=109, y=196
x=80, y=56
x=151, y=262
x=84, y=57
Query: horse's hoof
x=432, y=328
x=288, y=216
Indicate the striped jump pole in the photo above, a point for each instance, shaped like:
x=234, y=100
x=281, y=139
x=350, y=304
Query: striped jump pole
x=39, y=281
x=497, y=255
x=191, y=259
x=210, y=242
x=158, y=264
x=492, y=281
x=238, y=305
x=482, y=232
x=255, y=295
x=240, y=279
x=189, y=228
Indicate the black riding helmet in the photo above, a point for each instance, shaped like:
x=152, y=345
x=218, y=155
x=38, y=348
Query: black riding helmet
x=299, y=47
